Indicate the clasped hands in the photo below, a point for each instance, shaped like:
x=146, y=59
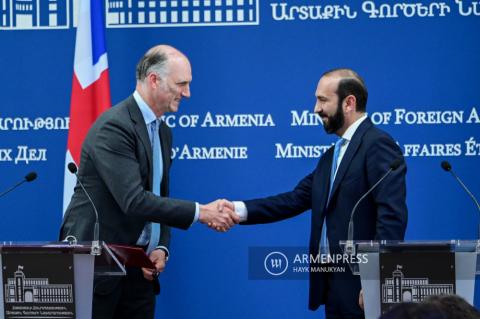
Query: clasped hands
x=219, y=215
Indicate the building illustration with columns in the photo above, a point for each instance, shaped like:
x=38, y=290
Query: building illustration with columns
x=35, y=14
x=61, y=14
x=21, y=289
x=400, y=289
x=128, y=13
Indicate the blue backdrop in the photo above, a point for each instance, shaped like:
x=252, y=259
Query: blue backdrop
x=420, y=63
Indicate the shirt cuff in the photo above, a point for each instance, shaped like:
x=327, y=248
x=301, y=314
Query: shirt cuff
x=165, y=249
x=197, y=213
x=241, y=210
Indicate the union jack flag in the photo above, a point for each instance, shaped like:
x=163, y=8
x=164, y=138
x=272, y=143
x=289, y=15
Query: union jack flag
x=90, y=87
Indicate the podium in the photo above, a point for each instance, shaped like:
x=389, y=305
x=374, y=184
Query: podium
x=392, y=272
x=52, y=279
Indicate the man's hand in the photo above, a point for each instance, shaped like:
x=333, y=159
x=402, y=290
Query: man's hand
x=223, y=203
x=219, y=215
x=360, y=300
x=158, y=258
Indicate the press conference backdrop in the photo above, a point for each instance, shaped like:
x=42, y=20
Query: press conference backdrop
x=248, y=129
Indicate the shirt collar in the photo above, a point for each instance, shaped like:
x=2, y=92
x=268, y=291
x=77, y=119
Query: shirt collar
x=147, y=113
x=353, y=128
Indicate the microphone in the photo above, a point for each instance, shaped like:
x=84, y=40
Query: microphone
x=31, y=176
x=448, y=168
x=28, y=178
x=349, y=247
x=96, y=249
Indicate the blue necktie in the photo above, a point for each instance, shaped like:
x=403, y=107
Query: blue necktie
x=157, y=179
x=324, y=249
x=333, y=172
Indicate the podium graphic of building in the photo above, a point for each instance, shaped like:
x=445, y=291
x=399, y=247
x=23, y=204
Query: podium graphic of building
x=400, y=289
x=35, y=290
x=61, y=14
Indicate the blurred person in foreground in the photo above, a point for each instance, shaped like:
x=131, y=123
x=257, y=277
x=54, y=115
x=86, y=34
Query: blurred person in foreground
x=454, y=306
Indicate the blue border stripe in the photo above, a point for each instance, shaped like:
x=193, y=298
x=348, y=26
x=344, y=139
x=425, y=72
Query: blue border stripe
x=98, y=30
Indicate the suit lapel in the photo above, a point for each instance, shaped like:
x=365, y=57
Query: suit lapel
x=349, y=154
x=141, y=130
x=165, y=141
x=324, y=177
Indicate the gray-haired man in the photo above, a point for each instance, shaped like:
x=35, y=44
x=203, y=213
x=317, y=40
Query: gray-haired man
x=124, y=166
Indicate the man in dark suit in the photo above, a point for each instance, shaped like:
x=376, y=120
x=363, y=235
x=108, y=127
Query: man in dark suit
x=344, y=173
x=124, y=166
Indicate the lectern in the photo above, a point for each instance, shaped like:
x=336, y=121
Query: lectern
x=52, y=279
x=392, y=272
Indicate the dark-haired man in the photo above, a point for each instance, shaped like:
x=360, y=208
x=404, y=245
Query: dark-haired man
x=454, y=306
x=124, y=166
x=344, y=173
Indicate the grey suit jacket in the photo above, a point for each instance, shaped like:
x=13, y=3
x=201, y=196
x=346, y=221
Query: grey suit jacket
x=116, y=170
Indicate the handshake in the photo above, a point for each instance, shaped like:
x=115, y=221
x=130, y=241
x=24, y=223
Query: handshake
x=219, y=215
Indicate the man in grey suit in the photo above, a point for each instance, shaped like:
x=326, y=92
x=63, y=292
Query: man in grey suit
x=124, y=166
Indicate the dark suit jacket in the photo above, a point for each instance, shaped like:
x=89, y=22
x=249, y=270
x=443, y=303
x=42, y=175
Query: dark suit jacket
x=116, y=169
x=382, y=215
